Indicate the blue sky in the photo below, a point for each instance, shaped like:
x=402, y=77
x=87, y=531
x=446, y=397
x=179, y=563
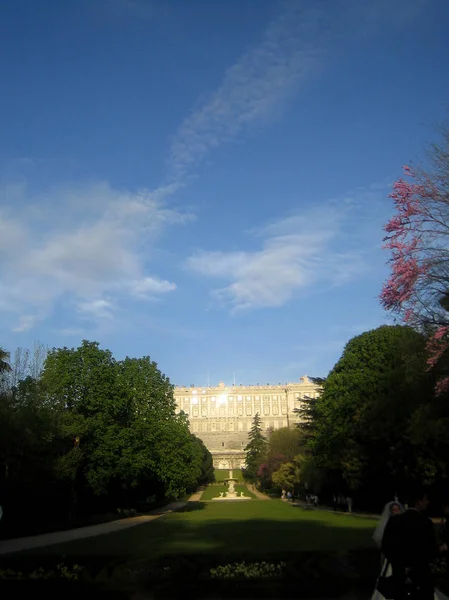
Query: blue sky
x=206, y=182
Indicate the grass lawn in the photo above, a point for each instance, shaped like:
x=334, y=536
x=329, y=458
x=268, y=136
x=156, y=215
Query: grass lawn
x=250, y=529
x=214, y=491
x=222, y=474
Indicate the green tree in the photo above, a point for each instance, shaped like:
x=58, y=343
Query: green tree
x=256, y=449
x=285, y=442
x=288, y=475
x=5, y=368
x=308, y=410
x=364, y=416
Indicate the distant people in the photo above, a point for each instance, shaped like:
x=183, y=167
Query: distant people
x=289, y=496
x=409, y=544
x=349, y=503
x=315, y=501
x=334, y=502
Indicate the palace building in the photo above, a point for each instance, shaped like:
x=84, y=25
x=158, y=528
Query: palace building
x=222, y=416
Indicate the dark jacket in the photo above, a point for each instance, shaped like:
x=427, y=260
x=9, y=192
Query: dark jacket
x=409, y=539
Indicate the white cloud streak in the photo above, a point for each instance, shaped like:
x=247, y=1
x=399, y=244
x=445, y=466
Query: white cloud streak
x=82, y=244
x=295, y=254
x=254, y=87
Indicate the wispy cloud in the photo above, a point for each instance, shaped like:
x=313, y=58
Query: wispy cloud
x=99, y=308
x=78, y=243
x=296, y=253
x=149, y=287
x=291, y=49
x=297, y=45
x=25, y=323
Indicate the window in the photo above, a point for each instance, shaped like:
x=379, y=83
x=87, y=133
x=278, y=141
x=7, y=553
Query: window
x=239, y=397
x=248, y=397
x=222, y=444
x=212, y=398
x=257, y=397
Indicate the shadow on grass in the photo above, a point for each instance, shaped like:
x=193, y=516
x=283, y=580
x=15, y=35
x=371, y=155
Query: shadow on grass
x=192, y=507
x=173, y=557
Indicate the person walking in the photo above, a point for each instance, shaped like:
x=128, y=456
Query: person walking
x=409, y=544
x=390, y=510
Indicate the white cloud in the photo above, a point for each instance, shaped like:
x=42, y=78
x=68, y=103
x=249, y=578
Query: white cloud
x=148, y=287
x=99, y=308
x=291, y=49
x=82, y=244
x=25, y=323
x=295, y=254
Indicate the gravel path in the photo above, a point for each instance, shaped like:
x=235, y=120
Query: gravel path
x=59, y=537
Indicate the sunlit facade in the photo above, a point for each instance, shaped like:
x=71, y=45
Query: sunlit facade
x=222, y=416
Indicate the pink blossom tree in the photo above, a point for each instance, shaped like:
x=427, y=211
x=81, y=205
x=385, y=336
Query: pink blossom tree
x=417, y=290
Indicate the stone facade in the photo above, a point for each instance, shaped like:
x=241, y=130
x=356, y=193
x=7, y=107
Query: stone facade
x=222, y=416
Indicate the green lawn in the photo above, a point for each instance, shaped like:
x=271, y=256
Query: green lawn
x=214, y=491
x=222, y=474
x=255, y=528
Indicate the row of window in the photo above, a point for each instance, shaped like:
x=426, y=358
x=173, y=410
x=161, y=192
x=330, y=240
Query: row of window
x=205, y=426
x=225, y=398
x=248, y=411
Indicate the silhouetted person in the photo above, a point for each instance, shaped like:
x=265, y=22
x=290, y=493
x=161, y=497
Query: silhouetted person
x=444, y=548
x=409, y=543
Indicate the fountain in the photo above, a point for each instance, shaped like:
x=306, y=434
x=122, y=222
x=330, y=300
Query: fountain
x=231, y=494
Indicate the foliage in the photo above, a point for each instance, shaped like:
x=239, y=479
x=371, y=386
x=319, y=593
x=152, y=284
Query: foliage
x=91, y=433
x=308, y=410
x=62, y=571
x=246, y=570
x=256, y=449
x=284, y=446
x=368, y=425
x=288, y=475
x=418, y=287
x=285, y=442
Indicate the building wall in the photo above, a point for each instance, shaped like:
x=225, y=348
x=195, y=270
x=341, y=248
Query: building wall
x=222, y=416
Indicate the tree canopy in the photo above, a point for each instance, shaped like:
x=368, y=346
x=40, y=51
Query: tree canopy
x=417, y=290
x=93, y=434
x=365, y=428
